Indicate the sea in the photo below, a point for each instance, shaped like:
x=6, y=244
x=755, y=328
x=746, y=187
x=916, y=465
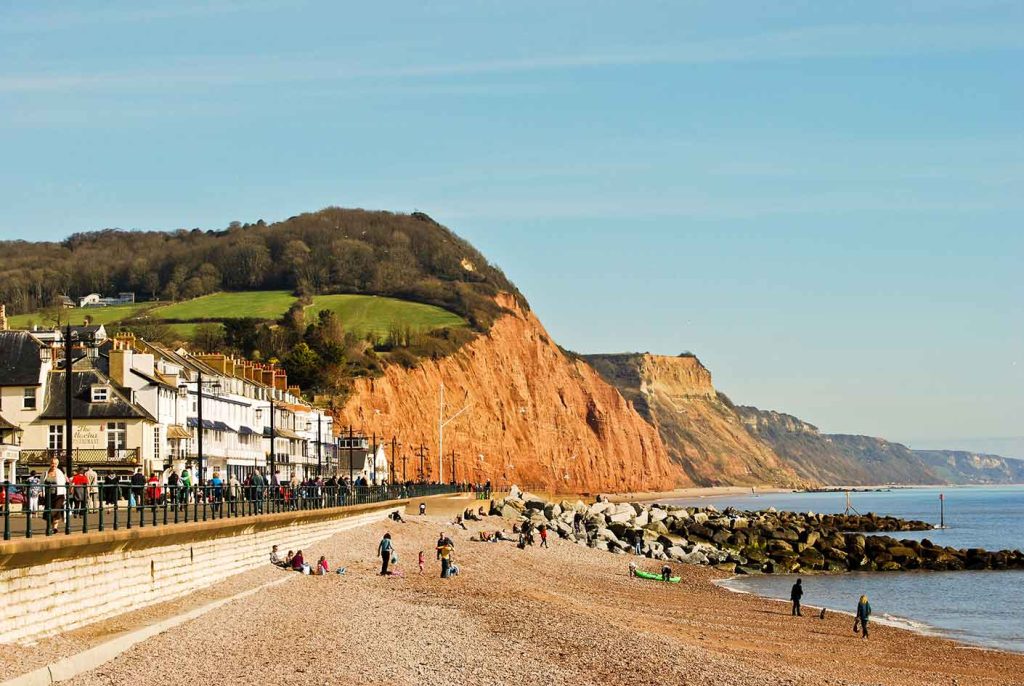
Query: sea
x=984, y=609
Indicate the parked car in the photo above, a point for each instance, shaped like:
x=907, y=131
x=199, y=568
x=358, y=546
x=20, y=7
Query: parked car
x=17, y=497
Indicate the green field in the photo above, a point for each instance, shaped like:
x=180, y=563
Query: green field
x=256, y=304
x=362, y=314
x=100, y=315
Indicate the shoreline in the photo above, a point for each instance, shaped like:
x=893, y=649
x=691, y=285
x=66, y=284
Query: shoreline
x=894, y=621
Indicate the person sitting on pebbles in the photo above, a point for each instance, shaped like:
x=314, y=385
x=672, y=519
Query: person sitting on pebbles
x=321, y=567
x=275, y=558
x=632, y=569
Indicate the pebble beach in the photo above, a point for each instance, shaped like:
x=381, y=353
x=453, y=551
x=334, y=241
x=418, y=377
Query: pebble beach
x=563, y=615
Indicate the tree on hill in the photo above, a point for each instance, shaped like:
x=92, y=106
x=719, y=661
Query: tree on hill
x=331, y=251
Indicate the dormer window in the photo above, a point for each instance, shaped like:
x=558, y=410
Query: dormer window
x=100, y=393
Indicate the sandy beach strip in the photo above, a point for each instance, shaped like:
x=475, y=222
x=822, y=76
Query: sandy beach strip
x=564, y=615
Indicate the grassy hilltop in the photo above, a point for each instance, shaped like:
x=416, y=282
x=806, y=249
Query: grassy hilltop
x=330, y=294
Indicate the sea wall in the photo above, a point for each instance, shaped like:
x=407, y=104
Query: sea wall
x=52, y=585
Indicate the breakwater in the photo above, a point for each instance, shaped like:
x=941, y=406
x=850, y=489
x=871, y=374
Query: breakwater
x=750, y=542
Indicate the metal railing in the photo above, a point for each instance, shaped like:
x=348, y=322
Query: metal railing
x=47, y=510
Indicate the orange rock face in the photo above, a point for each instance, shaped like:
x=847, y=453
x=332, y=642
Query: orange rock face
x=702, y=432
x=534, y=417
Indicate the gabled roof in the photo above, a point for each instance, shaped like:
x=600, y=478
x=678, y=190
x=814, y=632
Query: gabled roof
x=19, y=359
x=117, y=407
x=6, y=425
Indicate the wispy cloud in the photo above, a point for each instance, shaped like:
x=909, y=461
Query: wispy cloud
x=65, y=17
x=822, y=42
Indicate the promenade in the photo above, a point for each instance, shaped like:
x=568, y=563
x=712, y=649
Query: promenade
x=567, y=614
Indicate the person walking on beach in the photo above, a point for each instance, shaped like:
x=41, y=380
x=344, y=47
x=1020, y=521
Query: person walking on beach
x=384, y=549
x=543, y=531
x=795, y=595
x=863, y=614
x=422, y=560
x=444, y=551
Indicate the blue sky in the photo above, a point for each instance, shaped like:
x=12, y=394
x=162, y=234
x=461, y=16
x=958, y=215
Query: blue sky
x=823, y=200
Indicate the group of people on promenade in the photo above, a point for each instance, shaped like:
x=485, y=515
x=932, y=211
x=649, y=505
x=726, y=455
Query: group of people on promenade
x=55, y=494
x=861, y=617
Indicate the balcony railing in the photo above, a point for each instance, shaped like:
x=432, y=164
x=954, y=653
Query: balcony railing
x=83, y=456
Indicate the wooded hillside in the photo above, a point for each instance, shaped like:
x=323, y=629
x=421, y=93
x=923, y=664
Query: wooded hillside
x=331, y=251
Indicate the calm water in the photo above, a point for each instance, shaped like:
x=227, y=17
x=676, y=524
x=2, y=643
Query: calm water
x=984, y=608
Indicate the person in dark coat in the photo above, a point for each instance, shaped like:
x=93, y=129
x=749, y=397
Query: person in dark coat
x=385, y=549
x=138, y=487
x=863, y=614
x=111, y=488
x=795, y=595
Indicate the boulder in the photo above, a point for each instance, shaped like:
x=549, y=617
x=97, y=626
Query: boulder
x=694, y=558
x=657, y=527
x=622, y=517
x=642, y=519
x=599, y=508
x=517, y=503
x=700, y=517
x=668, y=540
x=510, y=512
x=514, y=492
x=534, y=501
x=727, y=567
x=657, y=514
x=675, y=552
x=810, y=538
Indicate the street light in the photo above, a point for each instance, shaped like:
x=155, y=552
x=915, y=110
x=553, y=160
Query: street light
x=69, y=363
x=214, y=386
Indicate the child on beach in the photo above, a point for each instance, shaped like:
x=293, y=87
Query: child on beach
x=421, y=561
x=543, y=531
x=321, y=566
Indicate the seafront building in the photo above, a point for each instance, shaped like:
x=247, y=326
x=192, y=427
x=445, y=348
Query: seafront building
x=140, y=404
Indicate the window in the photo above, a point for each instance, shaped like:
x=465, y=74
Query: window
x=117, y=436
x=56, y=437
x=29, y=399
x=100, y=394
x=156, y=443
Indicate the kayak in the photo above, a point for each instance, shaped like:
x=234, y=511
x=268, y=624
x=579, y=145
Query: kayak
x=655, y=577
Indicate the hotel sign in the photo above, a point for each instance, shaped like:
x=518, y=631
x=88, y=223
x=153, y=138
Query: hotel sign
x=90, y=436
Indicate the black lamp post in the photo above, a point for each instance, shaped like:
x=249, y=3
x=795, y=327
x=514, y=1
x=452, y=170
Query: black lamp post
x=351, y=465
x=272, y=477
x=215, y=385
x=68, y=423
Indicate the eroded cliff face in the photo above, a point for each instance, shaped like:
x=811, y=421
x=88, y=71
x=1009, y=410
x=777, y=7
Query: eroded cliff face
x=837, y=459
x=701, y=430
x=535, y=416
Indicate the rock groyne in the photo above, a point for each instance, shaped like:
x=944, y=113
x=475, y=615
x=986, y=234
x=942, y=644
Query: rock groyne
x=750, y=542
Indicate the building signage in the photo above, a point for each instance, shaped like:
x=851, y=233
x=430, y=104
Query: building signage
x=90, y=436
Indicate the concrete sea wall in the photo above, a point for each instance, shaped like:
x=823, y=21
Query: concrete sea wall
x=52, y=585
